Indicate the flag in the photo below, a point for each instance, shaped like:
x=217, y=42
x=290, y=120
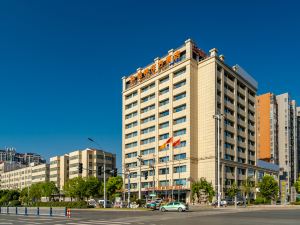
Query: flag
x=170, y=140
x=162, y=147
x=176, y=143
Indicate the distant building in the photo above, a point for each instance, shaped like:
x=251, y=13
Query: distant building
x=10, y=155
x=24, y=177
x=63, y=168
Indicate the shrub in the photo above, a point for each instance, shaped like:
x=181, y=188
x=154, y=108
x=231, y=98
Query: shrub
x=78, y=204
x=261, y=200
x=14, y=203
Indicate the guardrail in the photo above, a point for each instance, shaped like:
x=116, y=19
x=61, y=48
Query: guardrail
x=38, y=211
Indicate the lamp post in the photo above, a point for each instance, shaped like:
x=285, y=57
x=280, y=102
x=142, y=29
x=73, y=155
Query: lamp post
x=218, y=117
x=104, y=172
x=140, y=172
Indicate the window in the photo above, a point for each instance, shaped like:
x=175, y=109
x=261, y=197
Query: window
x=163, y=91
x=164, y=125
x=179, y=72
x=131, y=115
x=164, y=102
x=228, y=134
x=149, y=162
x=131, y=145
x=131, y=155
x=179, y=84
x=164, y=183
x=131, y=95
x=131, y=165
x=179, y=132
x=130, y=125
x=182, y=144
x=148, y=108
x=241, y=160
x=228, y=99
x=163, y=171
x=229, y=157
x=180, y=169
x=163, y=136
x=241, y=139
x=148, y=119
x=228, y=145
x=148, y=130
x=143, y=89
x=147, y=98
x=180, y=120
x=179, y=96
x=241, y=150
x=180, y=156
x=228, y=122
x=228, y=111
x=164, y=159
x=164, y=113
x=163, y=80
x=179, y=182
x=148, y=151
x=131, y=105
x=147, y=140
x=130, y=135
x=179, y=108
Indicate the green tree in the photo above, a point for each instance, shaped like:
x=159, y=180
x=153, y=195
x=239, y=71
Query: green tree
x=35, y=192
x=268, y=188
x=24, y=196
x=248, y=187
x=76, y=188
x=203, y=186
x=297, y=185
x=232, y=191
x=48, y=189
x=92, y=187
x=113, y=185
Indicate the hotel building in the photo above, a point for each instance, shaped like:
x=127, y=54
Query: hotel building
x=177, y=96
x=63, y=168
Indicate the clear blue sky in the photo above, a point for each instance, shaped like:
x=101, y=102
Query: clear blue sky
x=61, y=62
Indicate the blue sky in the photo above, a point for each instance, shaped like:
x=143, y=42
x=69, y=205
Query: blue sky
x=61, y=62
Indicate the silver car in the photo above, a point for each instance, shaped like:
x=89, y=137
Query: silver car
x=174, y=206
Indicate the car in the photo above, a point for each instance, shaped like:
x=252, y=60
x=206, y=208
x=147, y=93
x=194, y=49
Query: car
x=223, y=203
x=108, y=203
x=151, y=205
x=174, y=206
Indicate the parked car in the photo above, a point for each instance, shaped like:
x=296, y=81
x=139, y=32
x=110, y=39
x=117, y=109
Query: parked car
x=151, y=205
x=223, y=203
x=174, y=206
x=108, y=203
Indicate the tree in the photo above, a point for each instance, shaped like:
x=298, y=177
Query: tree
x=113, y=185
x=203, y=186
x=48, y=189
x=247, y=188
x=92, y=187
x=76, y=187
x=297, y=185
x=35, y=192
x=268, y=188
x=232, y=191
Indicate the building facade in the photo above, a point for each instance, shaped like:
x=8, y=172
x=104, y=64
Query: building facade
x=177, y=96
x=267, y=128
x=298, y=141
x=10, y=155
x=63, y=168
x=24, y=177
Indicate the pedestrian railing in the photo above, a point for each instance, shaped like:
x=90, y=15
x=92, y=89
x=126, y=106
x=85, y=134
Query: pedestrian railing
x=38, y=211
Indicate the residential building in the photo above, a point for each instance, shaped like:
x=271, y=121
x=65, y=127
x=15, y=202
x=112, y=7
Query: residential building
x=24, y=177
x=66, y=167
x=287, y=137
x=177, y=96
x=59, y=170
x=10, y=155
x=298, y=141
x=267, y=128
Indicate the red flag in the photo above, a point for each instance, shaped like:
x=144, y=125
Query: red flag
x=170, y=140
x=176, y=143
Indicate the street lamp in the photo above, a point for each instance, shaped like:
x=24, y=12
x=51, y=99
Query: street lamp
x=104, y=173
x=218, y=117
x=140, y=184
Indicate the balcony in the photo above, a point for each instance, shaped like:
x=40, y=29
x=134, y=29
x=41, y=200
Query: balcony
x=228, y=81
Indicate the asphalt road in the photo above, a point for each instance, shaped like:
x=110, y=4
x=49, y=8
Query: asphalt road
x=201, y=217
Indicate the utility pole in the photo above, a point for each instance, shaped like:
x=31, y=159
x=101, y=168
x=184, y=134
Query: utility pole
x=218, y=117
x=140, y=179
x=128, y=200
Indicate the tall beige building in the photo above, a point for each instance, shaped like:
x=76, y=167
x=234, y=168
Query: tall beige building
x=177, y=96
x=63, y=168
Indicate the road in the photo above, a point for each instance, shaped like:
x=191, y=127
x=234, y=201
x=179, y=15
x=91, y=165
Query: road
x=201, y=217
